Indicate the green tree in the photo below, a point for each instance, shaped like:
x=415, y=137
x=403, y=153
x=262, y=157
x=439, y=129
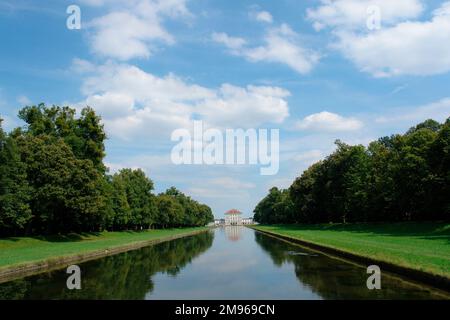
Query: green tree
x=138, y=189
x=305, y=193
x=276, y=207
x=67, y=193
x=170, y=211
x=439, y=154
x=84, y=135
x=122, y=212
x=15, y=212
x=397, y=178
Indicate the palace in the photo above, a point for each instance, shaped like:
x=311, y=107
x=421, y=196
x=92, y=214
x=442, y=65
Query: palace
x=233, y=218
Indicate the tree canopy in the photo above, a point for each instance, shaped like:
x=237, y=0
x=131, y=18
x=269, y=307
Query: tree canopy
x=53, y=180
x=397, y=178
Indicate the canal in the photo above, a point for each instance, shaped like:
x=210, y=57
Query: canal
x=224, y=263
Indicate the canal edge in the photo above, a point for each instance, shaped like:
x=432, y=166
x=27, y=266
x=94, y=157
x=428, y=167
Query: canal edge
x=423, y=277
x=42, y=266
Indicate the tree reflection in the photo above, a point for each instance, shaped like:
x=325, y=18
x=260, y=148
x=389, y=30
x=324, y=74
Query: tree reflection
x=336, y=279
x=124, y=276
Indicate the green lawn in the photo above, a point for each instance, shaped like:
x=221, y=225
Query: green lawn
x=21, y=250
x=421, y=246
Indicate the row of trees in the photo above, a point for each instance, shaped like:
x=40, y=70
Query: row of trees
x=53, y=180
x=397, y=178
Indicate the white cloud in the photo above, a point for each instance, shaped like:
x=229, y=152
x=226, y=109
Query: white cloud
x=132, y=29
x=263, y=16
x=8, y=122
x=310, y=156
x=248, y=107
x=412, y=48
x=82, y=66
x=94, y=3
x=126, y=40
x=134, y=103
x=280, y=183
x=281, y=45
x=329, y=122
x=354, y=14
x=233, y=43
x=439, y=111
x=231, y=183
x=208, y=193
x=24, y=100
x=111, y=104
x=400, y=47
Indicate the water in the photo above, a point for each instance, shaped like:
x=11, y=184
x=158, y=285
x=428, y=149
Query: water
x=225, y=263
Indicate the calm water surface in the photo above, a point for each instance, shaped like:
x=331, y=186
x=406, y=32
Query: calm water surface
x=225, y=263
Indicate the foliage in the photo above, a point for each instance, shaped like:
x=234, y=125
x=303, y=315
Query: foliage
x=398, y=178
x=15, y=212
x=53, y=180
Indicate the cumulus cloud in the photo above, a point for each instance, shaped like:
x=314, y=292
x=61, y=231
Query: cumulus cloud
x=329, y=122
x=401, y=47
x=134, y=103
x=263, y=16
x=281, y=45
x=438, y=110
x=413, y=48
x=245, y=107
x=232, y=43
x=354, y=13
x=132, y=29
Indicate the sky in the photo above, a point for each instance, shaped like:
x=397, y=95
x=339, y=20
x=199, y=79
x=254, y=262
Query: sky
x=316, y=70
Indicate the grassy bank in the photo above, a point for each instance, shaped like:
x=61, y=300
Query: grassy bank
x=419, y=246
x=17, y=252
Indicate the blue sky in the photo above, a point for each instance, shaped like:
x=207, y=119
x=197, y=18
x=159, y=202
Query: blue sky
x=312, y=69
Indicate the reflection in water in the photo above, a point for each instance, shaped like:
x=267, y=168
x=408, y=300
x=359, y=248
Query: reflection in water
x=336, y=279
x=123, y=276
x=233, y=233
x=227, y=263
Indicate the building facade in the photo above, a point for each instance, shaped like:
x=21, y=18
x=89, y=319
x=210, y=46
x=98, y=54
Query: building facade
x=233, y=218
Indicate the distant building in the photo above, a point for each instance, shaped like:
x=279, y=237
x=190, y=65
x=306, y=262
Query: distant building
x=233, y=217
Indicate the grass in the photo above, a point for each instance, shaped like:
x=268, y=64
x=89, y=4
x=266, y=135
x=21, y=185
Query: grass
x=24, y=250
x=419, y=246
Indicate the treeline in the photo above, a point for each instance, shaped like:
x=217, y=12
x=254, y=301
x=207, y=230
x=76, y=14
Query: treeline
x=53, y=180
x=397, y=178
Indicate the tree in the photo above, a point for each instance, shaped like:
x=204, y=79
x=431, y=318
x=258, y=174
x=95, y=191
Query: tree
x=439, y=155
x=15, y=212
x=170, y=211
x=397, y=178
x=305, y=193
x=138, y=190
x=276, y=207
x=122, y=216
x=429, y=124
x=67, y=193
x=193, y=213
x=84, y=135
